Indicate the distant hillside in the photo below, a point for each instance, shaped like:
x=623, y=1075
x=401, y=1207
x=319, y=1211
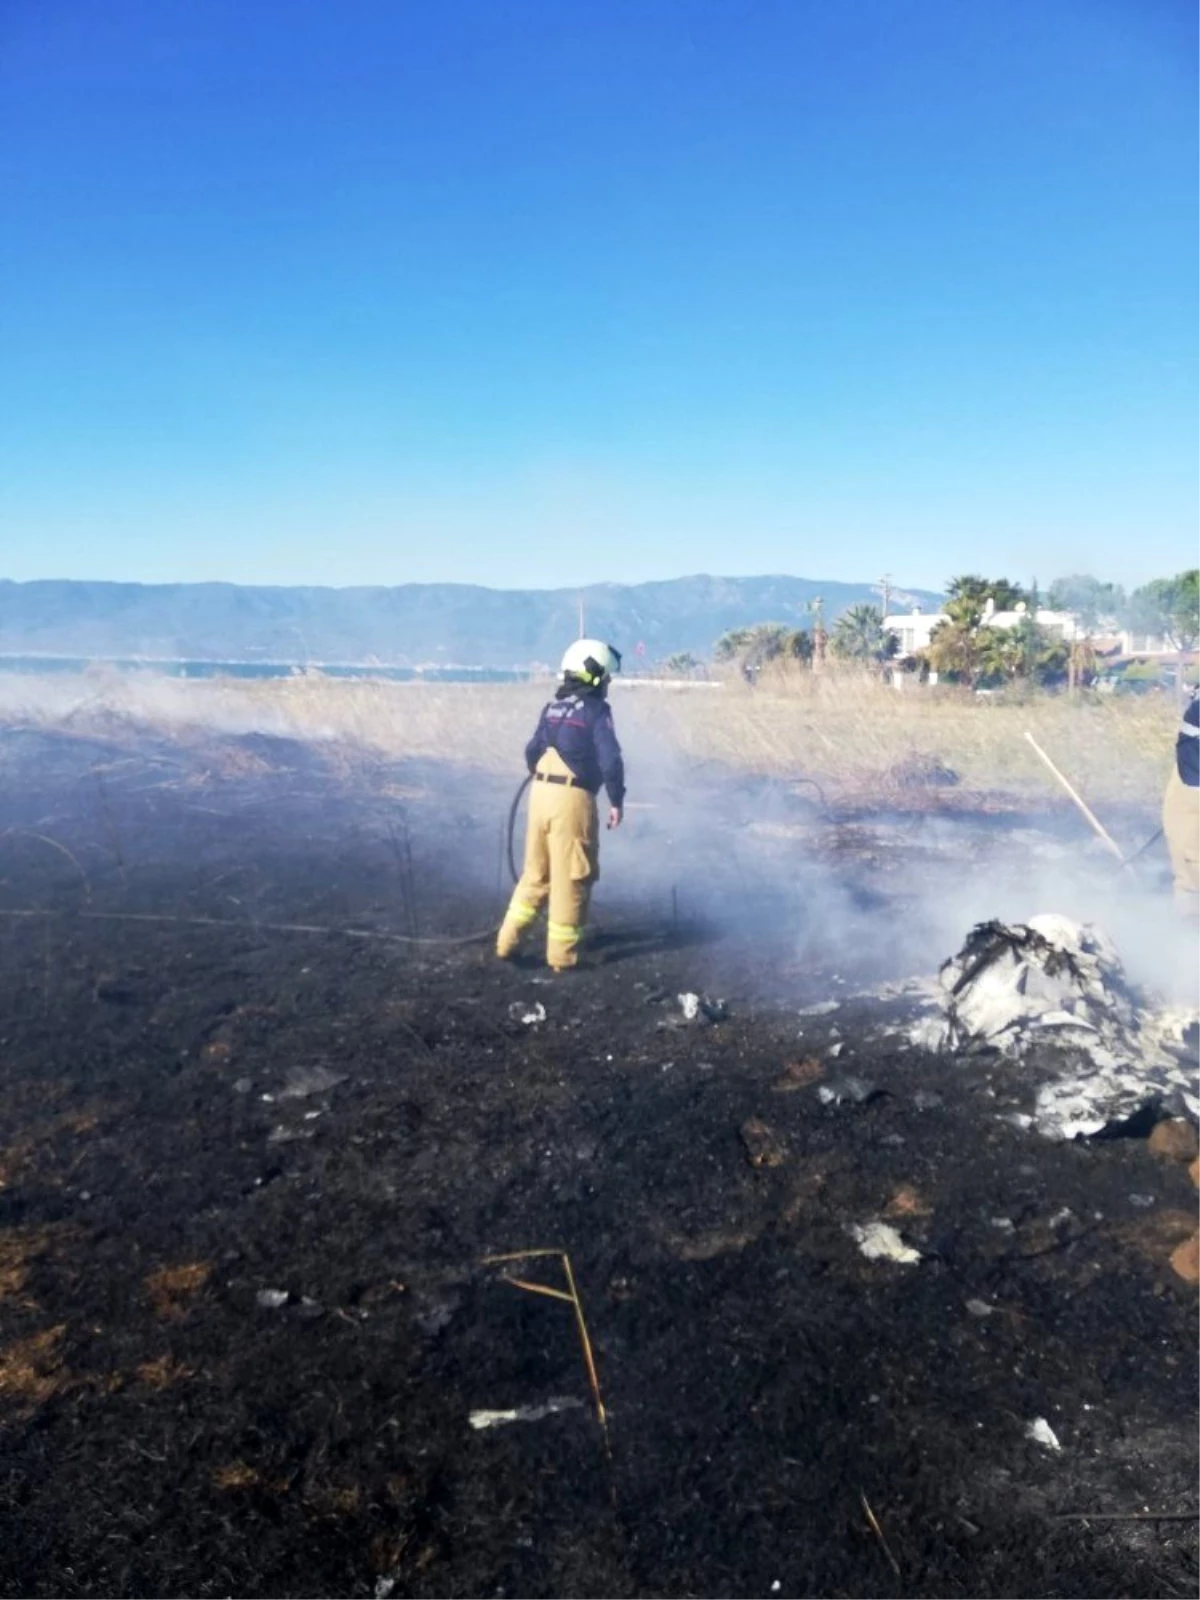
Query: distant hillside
x=411, y=625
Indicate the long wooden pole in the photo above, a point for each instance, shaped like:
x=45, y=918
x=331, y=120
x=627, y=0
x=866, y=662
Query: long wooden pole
x=1080, y=802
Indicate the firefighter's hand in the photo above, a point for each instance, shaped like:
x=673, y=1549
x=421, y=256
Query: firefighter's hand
x=614, y=816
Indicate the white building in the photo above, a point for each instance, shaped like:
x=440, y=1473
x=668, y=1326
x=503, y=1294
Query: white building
x=914, y=629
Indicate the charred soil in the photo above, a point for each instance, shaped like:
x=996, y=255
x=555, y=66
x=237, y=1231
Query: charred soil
x=250, y=1174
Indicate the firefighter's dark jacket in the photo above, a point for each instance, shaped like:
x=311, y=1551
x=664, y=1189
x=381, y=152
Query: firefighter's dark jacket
x=1187, y=745
x=579, y=726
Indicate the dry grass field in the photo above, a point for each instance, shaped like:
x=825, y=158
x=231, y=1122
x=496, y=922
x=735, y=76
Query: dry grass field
x=860, y=739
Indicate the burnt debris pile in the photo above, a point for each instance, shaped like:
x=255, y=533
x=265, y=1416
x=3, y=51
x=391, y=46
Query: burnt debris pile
x=1055, y=989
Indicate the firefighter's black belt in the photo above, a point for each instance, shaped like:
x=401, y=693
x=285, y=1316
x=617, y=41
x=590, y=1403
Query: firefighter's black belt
x=556, y=777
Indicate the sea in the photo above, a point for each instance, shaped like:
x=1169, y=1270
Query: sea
x=266, y=669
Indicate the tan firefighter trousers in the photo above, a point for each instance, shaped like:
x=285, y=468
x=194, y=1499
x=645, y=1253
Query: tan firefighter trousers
x=1181, y=824
x=562, y=862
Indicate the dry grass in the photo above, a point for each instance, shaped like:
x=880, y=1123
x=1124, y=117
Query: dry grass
x=172, y=1289
x=857, y=737
x=19, y=1249
x=38, y=1148
x=334, y=1501
x=860, y=737
x=163, y=1372
x=31, y=1369
x=238, y=1475
x=483, y=723
x=15, y=1161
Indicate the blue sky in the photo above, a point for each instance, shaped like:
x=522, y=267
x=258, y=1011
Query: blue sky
x=544, y=292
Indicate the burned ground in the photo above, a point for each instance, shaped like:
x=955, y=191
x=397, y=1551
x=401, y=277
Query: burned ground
x=249, y=1174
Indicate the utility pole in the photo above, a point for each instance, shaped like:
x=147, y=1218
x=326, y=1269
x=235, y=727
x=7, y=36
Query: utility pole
x=816, y=606
x=582, y=629
x=885, y=583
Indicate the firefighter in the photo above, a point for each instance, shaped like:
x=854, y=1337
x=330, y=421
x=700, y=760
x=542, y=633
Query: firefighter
x=1181, y=812
x=573, y=752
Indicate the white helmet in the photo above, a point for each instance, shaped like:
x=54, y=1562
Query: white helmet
x=590, y=661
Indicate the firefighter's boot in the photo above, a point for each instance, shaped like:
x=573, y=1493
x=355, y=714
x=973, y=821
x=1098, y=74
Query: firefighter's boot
x=519, y=916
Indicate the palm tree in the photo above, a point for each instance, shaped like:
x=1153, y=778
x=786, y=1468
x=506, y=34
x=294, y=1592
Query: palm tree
x=1003, y=653
x=974, y=593
x=859, y=635
x=954, y=651
x=752, y=648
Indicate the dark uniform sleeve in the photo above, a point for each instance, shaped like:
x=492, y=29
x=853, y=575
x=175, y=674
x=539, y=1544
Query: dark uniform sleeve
x=536, y=748
x=609, y=758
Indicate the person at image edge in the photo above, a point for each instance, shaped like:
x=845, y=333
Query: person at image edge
x=1181, y=812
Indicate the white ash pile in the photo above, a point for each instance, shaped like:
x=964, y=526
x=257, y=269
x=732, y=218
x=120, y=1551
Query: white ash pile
x=1051, y=983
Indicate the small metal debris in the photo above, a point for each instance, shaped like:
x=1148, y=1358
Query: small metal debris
x=695, y=1006
x=1018, y=1119
x=300, y=1082
x=979, y=1308
x=272, y=1299
x=879, y=1242
x=848, y=1091
x=528, y=1015
x=285, y=1135
x=821, y=1009
x=1040, y=1431
x=480, y=1420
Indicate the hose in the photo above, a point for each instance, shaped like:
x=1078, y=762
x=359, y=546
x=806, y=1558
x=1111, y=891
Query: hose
x=248, y=926
x=512, y=827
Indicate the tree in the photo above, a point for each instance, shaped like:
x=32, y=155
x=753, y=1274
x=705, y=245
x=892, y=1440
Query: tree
x=960, y=650
x=987, y=655
x=971, y=593
x=1091, y=602
x=859, y=635
x=1093, y=605
x=964, y=648
x=753, y=647
x=1170, y=608
x=681, y=664
x=967, y=648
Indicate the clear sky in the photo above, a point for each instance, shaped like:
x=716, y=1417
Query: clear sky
x=543, y=292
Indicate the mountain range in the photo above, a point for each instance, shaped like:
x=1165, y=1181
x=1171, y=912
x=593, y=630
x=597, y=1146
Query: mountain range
x=457, y=624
